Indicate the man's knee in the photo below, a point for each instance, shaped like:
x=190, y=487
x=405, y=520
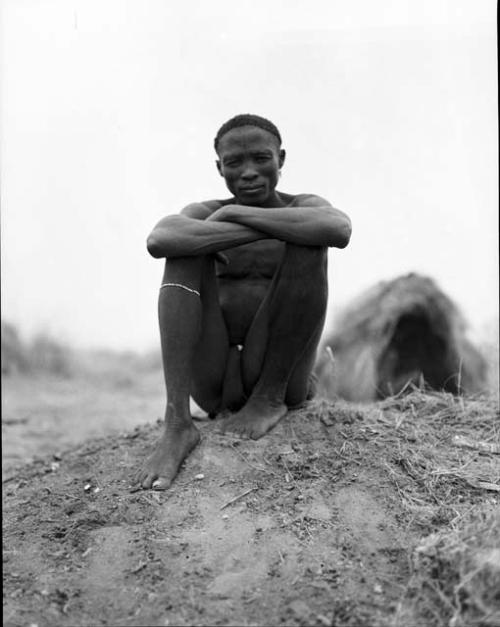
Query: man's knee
x=307, y=265
x=183, y=268
x=305, y=279
x=313, y=257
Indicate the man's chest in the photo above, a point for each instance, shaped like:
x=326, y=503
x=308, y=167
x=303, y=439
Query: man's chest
x=256, y=260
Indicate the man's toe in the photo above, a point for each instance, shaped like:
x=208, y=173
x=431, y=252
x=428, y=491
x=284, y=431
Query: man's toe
x=161, y=483
x=241, y=432
x=138, y=477
x=147, y=482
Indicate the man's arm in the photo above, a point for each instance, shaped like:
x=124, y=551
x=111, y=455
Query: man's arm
x=190, y=233
x=309, y=221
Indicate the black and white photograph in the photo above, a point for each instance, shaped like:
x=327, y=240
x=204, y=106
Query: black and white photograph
x=250, y=313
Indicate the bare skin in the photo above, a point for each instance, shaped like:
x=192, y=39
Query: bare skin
x=248, y=341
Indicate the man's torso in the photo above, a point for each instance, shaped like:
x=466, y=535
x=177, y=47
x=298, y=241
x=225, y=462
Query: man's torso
x=244, y=281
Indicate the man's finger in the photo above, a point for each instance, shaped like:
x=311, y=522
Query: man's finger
x=222, y=258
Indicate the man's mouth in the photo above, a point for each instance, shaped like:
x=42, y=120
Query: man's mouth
x=252, y=190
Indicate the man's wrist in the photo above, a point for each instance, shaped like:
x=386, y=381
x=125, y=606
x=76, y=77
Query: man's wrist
x=229, y=213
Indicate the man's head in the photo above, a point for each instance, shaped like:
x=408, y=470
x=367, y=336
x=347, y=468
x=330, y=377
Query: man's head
x=246, y=119
x=250, y=158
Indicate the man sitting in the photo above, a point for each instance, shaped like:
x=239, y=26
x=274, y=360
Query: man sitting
x=243, y=298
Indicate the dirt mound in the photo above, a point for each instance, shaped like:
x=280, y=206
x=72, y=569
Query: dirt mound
x=315, y=524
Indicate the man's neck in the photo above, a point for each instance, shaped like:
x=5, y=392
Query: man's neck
x=274, y=200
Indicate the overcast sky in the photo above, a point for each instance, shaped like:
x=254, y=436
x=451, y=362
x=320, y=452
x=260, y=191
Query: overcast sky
x=109, y=109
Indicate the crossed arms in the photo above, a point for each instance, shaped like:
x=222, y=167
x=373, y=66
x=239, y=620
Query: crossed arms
x=201, y=228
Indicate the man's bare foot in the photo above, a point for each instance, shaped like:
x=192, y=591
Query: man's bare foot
x=163, y=464
x=255, y=419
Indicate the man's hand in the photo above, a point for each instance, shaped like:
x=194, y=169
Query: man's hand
x=222, y=258
x=221, y=215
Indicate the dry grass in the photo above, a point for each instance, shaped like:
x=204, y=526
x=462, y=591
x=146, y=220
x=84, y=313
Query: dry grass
x=452, y=484
x=442, y=454
x=428, y=434
x=456, y=573
x=490, y=348
x=432, y=441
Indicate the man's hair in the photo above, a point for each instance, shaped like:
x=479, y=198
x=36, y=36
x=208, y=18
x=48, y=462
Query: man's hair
x=246, y=119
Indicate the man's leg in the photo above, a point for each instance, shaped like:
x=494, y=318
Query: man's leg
x=194, y=350
x=302, y=384
x=281, y=343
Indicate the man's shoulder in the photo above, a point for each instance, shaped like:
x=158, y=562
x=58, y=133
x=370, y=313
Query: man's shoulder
x=304, y=200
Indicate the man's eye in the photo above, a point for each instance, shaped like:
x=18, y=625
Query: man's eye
x=262, y=159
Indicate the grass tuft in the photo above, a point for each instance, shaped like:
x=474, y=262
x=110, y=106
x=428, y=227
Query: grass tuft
x=456, y=572
x=441, y=453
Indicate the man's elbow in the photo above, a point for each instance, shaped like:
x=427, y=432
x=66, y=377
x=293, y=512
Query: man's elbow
x=154, y=247
x=346, y=233
x=341, y=235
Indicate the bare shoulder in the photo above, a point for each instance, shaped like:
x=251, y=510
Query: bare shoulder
x=313, y=200
x=202, y=210
x=309, y=200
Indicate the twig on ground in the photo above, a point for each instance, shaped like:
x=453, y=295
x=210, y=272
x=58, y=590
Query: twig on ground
x=287, y=470
x=237, y=498
x=8, y=479
x=149, y=500
x=464, y=442
x=483, y=485
x=245, y=459
x=474, y=482
x=139, y=567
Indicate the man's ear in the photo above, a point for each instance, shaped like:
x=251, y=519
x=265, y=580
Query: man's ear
x=219, y=167
x=281, y=158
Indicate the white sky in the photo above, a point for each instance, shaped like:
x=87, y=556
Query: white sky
x=109, y=109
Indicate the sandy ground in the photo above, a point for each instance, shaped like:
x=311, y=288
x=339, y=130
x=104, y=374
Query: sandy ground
x=44, y=415
x=307, y=526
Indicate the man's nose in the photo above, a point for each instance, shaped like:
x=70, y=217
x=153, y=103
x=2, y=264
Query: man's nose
x=249, y=173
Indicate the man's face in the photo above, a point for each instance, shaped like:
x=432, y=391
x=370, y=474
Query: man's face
x=249, y=161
